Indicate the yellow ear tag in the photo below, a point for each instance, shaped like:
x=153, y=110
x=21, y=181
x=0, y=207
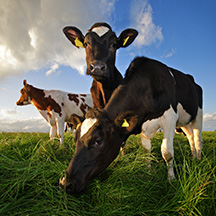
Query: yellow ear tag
x=125, y=123
x=78, y=43
x=78, y=126
x=125, y=40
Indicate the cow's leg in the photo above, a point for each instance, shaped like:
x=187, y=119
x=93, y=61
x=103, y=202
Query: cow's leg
x=149, y=128
x=168, y=122
x=53, y=131
x=146, y=143
x=60, y=130
x=188, y=130
x=197, y=130
x=52, y=123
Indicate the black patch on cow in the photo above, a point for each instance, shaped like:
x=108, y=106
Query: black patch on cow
x=41, y=102
x=74, y=97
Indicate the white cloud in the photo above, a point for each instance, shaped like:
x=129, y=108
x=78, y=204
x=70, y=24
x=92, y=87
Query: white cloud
x=169, y=53
x=24, y=125
x=6, y=113
x=209, y=117
x=142, y=18
x=12, y=120
x=209, y=122
x=53, y=69
x=31, y=32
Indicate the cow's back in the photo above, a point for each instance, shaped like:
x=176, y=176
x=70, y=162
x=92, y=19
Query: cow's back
x=76, y=104
x=148, y=90
x=70, y=103
x=188, y=93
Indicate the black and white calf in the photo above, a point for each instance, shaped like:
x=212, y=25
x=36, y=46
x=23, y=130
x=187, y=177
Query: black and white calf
x=152, y=96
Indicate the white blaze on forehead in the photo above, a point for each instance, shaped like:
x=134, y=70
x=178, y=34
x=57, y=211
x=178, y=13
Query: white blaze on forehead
x=100, y=30
x=86, y=125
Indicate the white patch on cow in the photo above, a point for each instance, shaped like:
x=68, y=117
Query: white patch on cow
x=150, y=127
x=167, y=122
x=184, y=117
x=86, y=125
x=100, y=30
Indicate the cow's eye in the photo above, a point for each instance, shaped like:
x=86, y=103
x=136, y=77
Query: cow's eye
x=113, y=45
x=86, y=44
x=98, y=142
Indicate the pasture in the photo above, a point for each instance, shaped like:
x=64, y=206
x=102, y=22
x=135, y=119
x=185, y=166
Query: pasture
x=31, y=166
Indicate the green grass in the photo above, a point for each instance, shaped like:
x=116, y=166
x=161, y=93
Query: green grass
x=31, y=166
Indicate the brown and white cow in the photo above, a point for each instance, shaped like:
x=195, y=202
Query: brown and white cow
x=55, y=106
x=152, y=96
x=101, y=44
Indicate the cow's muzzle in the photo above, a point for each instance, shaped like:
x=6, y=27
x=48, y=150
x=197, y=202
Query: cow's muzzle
x=98, y=68
x=19, y=103
x=71, y=187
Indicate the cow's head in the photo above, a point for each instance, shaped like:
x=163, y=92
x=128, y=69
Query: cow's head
x=98, y=140
x=24, y=98
x=100, y=44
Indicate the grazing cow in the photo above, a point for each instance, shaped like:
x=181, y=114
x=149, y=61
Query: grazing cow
x=152, y=96
x=100, y=44
x=55, y=106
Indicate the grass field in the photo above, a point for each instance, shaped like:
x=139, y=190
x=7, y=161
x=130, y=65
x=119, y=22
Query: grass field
x=31, y=166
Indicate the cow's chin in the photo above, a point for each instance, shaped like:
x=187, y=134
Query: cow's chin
x=72, y=187
x=75, y=188
x=100, y=77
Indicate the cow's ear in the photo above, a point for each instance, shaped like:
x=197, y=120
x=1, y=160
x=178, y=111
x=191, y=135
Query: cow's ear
x=76, y=120
x=126, y=37
x=126, y=121
x=74, y=35
x=25, y=83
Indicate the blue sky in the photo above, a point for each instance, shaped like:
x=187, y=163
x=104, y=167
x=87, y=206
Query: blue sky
x=181, y=34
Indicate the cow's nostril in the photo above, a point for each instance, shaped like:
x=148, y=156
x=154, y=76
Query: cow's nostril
x=91, y=67
x=103, y=68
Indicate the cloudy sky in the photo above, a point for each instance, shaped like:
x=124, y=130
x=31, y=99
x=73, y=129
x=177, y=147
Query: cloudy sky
x=181, y=34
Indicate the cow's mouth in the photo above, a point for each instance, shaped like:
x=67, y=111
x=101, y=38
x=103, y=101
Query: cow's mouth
x=72, y=187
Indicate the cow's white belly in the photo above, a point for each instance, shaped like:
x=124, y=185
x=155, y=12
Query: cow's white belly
x=183, y=116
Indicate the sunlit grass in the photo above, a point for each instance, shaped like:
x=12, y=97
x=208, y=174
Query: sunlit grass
x=31, y=166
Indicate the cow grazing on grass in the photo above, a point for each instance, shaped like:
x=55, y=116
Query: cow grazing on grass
x=101, y=44
x=152, y=96
x=55, y=106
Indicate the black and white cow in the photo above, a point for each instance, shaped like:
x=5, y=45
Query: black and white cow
x=101, y=44
x=152, y=96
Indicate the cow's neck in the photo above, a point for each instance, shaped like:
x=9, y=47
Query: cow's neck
x=124, y=99
x=117, y=103
x=36, y=96
x=110, y=84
